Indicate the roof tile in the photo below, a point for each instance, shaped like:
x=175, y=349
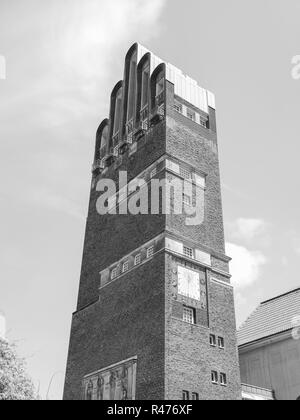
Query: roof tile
x=271, y=317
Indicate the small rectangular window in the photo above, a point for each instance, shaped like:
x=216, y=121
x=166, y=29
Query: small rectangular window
x=223, y=379
x=178, y=107
x=185, y=173
x=150, y=252
x=188, y=252
x=203, y=121
x=191, y=115
x=187, y=200
x=185, y=395
x=213, y=340
x=221, y=342
x=114, y=273
x=137, y=259
x=125, y=267
x=189, y=315
x=195, y=396
x=214, y=377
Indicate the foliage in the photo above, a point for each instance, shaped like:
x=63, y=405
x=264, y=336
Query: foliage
x=15, y=384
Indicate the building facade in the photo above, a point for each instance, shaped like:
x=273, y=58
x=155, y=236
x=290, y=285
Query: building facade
x=155, y=317
x=269, y=346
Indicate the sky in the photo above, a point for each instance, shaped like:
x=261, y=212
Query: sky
x=59, y=61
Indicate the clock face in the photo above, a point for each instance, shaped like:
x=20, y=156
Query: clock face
x=189, y=283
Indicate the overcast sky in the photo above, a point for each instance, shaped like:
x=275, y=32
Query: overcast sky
x=63, y=57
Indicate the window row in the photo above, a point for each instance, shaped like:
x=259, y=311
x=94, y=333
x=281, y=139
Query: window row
x=136, y=100
x=134, y=103
x=117, y=271
x=186, y=173
x=186, y=396
x=188, y=252
x=217, y=341
x=191, y=114
x=218, y=378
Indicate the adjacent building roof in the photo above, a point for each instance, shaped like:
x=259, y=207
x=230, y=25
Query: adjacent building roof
x=271, y=317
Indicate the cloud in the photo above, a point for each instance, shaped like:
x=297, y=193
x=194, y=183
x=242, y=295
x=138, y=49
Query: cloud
x=62, y=83
x=247, y=229
x=246, y=266
x=79, y=50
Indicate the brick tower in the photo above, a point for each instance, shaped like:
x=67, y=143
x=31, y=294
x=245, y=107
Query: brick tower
x=155, y=318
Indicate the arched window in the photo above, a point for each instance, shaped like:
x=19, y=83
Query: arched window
x=131, y=87
x=101, y=147
x=143, y=81
x=130, y=92
x=158, y=89
x=104, y=142
x=145, y=84
x=118, y=110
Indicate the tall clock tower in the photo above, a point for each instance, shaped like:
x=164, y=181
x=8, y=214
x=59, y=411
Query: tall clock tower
x=155, y=315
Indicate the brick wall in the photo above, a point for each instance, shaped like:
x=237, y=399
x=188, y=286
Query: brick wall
x=137, y=315
x=189, y=356
x=128, y=321
x=108, y=238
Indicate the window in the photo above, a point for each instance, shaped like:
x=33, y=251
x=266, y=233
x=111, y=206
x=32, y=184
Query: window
x=221, y=342
x=104, y=141
x=184, y=173
x=137, y=259
x=203, y=121
x=160, y=84
x=188, y=252
x=185, y=395
x=195, y=396
x=189, y=315
x=214, y=377
x=125, y=267
x=118, y=108
x=213, y=340
x=145, y=84
x=187, y=200
x=114, y=273
x=153, y=173
x=150, y=252
x=191, y=114
x=132, y=87
x=178, y=107
x=223, y=379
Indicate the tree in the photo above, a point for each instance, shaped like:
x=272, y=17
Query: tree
x=15, y=384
